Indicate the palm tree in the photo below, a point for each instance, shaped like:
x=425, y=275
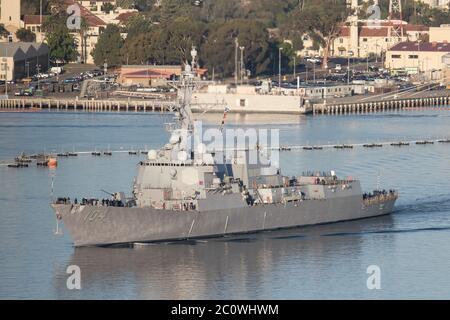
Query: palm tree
x=84, y=27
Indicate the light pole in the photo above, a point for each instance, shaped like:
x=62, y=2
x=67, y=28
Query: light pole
x=279, y=68
x=418, y=56
x=350, y=53
x=314, y=72
x=27, y=65
x=295, y=64
x=6, y=71
x=236, y=43
x=40, y=13
x=242, y=64
x=367, y=57
x=306, y=65
x=38, y=69
x=376, y=51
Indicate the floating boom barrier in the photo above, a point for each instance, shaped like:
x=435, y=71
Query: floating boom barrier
x=20, y=163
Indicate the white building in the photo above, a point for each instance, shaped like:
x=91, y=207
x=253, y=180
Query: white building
x=417, y=57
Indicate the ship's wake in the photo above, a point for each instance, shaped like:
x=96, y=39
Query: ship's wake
x=387, y=231
x=435, y=203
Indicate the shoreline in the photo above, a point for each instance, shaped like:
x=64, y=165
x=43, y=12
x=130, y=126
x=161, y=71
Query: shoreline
x=354, y=105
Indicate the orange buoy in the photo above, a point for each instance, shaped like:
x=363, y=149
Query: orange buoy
x=52, y=162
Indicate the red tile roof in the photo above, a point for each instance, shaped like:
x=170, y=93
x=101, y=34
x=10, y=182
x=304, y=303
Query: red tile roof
x=344, y=32
x=123, y=17
x=374, y=32
x=148, y=74
x=422, y=46
x=91, y=19
x=415, y=27
x=33, y=19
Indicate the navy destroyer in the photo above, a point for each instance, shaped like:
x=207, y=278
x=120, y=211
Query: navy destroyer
x=185, y=193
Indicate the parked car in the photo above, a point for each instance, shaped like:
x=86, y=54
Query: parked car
x=70, y=80
x=24, y=93
x=56, y=70
x=314, y=60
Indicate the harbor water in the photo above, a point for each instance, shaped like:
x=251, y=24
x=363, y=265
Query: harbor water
x=410, y=247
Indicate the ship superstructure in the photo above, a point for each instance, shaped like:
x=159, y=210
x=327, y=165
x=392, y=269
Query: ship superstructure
x=185, y=191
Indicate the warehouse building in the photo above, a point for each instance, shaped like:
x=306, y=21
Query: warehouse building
x=22, y=59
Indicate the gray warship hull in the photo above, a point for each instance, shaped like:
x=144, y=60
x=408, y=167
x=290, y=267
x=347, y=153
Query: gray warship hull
x=101, y=225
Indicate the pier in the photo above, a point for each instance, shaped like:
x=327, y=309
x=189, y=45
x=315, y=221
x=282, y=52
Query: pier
x=356, y=105
x=407, y=103
x=89, y=105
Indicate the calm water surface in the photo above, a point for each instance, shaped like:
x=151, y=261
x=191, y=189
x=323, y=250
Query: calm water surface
x=412, y=247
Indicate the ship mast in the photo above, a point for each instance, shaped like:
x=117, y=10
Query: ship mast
x=187, y=85
x=183, y=130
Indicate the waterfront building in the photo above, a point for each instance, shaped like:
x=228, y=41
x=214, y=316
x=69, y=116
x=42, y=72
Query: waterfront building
x=446, y=73
x=22, y=59
x=364, y=41
x=417, y=57
x=150, y=75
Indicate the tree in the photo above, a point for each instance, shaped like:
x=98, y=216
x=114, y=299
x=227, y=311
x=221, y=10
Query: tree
x=168, y=43
x=218, y=51
x=108, y=7
x=84, y=27
x=53, y=23
x=33, y=6
x=25, y=35
x=322, y=19
x=3, y=32
x=182, y=35
x=138, y=24
x=108, y=47
x=62, y=45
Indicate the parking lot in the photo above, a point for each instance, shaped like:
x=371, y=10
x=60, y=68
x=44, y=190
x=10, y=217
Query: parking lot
x=65, y=81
